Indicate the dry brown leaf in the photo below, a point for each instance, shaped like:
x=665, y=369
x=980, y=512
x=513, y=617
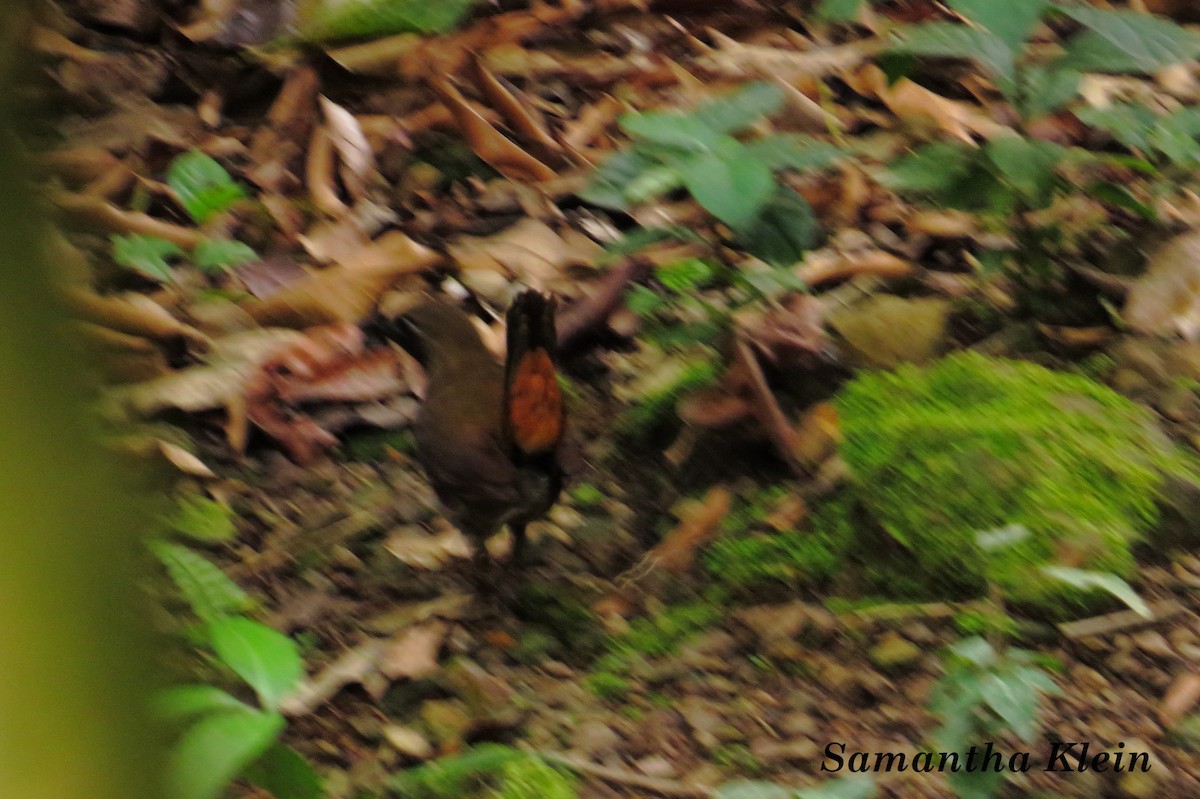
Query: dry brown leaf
x=489, y=144
x=913, y=103
x=135, y=314
x=738, y=60
x=1181, y=697
x=766, y=406
x=97, y=213
x=429, y=552
x=318, y=175
x=232, y=362
x=713, y=407
x=530, y=250
x=676, y=553
x=358, y=161
x=826, y=266
x=345, y=293
x=1166, y=299
x=414, y=652
x=184, y=461
x=511, y=104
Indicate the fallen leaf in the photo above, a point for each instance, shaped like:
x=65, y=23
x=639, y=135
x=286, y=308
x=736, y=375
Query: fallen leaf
x=1166, y=299
x=429, y=552
x=358, y=161
x=677, y=551
x=414, y=652
x=530, y=250
x=1181, y=697
x=886, y=330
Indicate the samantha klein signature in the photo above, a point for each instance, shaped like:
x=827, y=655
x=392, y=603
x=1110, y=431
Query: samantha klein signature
x=1062, y=756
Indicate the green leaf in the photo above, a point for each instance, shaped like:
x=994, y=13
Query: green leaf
x=607, y=186
x=146, y=255
x=933, y=167
x=730, y=182
x=839, y=10
x=180, y=703
x=285, y=774
x=685, y=276
x=644, y=237
x=1011, y=21
x=204, y=586
x=1129, y=123
x=1104, y=581
x=1120, y=196
x=450, y=776
x=740, y=108
x=216, y=749
x=1126, y=41
x=203, y=519
x=1027, y=165
x=949, y=40
x=219, y=255
x=781, y=234
x=653, y=182
x=751, y=789
x=202, y=185
x=322, y=21
x=794, y=151
x=856, y=787
x=670, y=128
x=643, y=301
x=1048, y=89
x=1014, y=701
x=975, y=650
x=266, y=659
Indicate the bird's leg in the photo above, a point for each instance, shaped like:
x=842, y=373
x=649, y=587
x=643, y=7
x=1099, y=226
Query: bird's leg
x=518, y=544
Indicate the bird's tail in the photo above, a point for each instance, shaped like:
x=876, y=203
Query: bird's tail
x=533, y=406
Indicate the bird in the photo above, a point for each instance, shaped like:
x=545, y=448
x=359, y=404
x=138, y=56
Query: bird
x=488, y=434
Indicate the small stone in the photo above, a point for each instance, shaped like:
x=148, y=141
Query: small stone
x=593, y=736
x=656, y=766
x=556, y=668
x=798, y=725
x=408, y=741
x=895, y=653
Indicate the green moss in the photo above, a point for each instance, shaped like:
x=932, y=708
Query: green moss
x=606, y=685
x=533, y=778
x=974, y=443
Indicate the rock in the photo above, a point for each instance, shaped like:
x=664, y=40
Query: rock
x=798, y=725
x=894, y=653
x=488, y=699
x=656, y=766
x=1153, y=643
x=887, y=330
x=1166, y=299
x=408, y=741
x=594, y=736
x=775, y=622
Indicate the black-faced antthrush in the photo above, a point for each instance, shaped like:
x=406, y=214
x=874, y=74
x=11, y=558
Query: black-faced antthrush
x=488, y=435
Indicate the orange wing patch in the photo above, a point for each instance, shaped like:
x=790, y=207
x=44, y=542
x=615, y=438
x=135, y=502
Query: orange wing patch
x=535, y=406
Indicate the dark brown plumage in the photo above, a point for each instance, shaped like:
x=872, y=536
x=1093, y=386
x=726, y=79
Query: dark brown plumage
x=487, y=435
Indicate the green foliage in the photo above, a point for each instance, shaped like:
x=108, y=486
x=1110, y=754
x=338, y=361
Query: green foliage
x=533, y=778
x=202, y=185
x=648, y=637
x=585, y=495
x=215, y=256
x=209, y=593
x=267, y=660
x=451, y=777
x=1009, y=176
x=1109, y=583
x=222, y=736
x=973, y=443
x=203, y=519
x=1165, y=138
x=146, y=255
x=983, y=694
x=750, y=560
x=318, y=21
x=732, y=179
